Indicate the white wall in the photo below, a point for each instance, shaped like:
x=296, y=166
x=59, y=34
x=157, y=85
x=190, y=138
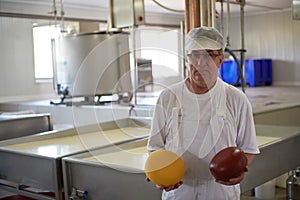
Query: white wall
x=272, y=35
x=16, y=60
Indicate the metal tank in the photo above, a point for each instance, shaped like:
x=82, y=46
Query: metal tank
x=19, y=125
x=91, y=64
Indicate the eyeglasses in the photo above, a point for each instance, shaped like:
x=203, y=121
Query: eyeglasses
x=205, y=56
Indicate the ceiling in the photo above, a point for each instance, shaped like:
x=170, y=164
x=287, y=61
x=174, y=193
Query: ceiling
x=252, y=6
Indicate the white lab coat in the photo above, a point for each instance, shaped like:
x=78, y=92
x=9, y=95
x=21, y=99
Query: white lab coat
x=196, y=127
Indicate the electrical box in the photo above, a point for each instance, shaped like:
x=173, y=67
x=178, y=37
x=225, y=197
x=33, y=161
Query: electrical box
x=126, y=13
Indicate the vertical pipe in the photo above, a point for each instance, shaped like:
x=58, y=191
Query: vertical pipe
x=228, y=23
x=203, y=12
x=62, y=13
x=54, y=66
x=213, y=13
x=54, y=12
x=222, y=18
x=134, y=66
x=209, y=14
x=187, y=16
x=182, y=53
x=242, y=4
x=195, y=13
x=199, y=13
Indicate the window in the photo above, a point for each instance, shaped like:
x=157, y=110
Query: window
x=43, y=65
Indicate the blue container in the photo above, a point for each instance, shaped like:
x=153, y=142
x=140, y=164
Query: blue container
x=229, y=71
x=257, y=71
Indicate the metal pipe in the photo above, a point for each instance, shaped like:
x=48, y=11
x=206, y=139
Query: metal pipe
x=187, y=16
x=136, y=86
x=195, y=13
x=182, y=56
x=209, y=15
x=54, y=12
x=242, y=4
x=213, y=13
x=228, y=23
x=203, y=12
x=62, y=14
x=222, y=18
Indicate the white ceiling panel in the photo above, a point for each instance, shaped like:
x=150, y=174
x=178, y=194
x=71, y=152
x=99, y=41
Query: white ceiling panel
x=252, y=6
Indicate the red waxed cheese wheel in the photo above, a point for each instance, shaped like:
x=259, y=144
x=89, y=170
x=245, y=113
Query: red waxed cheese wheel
x=228, y=163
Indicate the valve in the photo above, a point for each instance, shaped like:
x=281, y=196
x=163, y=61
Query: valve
x=78, y=194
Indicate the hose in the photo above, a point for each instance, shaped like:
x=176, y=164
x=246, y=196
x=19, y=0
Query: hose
x=238, y=64
x=164, y=7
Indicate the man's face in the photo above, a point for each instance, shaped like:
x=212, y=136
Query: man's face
x=204, y=66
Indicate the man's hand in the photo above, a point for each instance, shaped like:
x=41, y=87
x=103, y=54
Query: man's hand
x=167, y=188
x=234, y=181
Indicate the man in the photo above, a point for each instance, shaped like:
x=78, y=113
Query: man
x=199, y=117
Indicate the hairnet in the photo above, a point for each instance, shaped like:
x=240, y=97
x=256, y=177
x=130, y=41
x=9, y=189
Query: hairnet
x=204, y=38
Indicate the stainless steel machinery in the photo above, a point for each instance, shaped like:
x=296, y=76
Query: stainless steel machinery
x=111, y=173
x=92, y=64
x=278, y=146
x=117, y=172
x=31, y=165
x=18, y=125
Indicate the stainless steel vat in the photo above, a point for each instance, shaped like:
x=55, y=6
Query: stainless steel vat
x=276, y=158
x=13, y=126
x=89, y=172
x=32, y=165
x=92, y=64
x=111, y=173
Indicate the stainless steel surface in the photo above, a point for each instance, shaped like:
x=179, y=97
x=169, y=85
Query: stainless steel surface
x=276, y=157
x=13, y=126
x=101, y=172
x=92, y=64
x=112, y=173
x=34, y=162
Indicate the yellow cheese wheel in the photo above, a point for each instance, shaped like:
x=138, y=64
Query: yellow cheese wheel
x=164, y=168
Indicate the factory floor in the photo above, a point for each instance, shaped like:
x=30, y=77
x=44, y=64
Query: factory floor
x=280, y=194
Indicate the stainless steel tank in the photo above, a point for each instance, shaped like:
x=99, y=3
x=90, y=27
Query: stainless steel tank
x=19, y=125
x=92, y=64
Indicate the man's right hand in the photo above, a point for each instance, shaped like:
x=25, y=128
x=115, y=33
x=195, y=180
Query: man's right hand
x=167, y=188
